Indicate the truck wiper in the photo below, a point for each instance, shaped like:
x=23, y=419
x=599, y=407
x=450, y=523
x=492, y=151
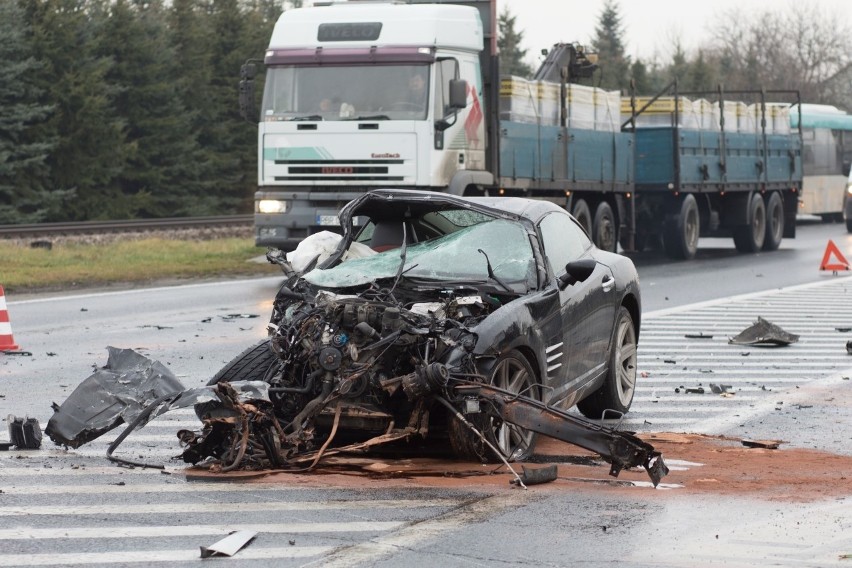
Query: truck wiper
x=308, y=117
x=370, y=117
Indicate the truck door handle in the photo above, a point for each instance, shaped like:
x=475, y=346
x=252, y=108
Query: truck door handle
x=607, y=283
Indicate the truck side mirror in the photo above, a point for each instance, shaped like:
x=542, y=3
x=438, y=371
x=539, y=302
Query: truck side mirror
x=458, y=94
x=248, y=71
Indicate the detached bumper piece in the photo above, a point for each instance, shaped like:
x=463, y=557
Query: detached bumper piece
x=622, y=450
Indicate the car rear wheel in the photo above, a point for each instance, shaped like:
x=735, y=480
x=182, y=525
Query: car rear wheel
x=618, y=388
x=512, y=373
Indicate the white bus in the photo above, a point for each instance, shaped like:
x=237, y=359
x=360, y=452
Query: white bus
x=826, y=157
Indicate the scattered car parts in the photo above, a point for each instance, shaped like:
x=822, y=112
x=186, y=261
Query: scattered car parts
x=764, y=333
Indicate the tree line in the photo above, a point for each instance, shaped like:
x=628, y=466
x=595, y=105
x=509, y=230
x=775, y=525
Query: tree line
x=800, y=48
x=113, y=109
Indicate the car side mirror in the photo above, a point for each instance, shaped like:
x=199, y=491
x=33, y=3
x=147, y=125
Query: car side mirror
x=577, y=271
x=458, y=94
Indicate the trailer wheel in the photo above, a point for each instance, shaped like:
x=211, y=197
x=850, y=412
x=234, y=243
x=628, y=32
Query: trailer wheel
x=604, y=228
x=583, y=214
x=680, y=234
x=750, y=238
x=774, y=222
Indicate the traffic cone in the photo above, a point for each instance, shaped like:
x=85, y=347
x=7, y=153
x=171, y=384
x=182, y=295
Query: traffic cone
x=7, y=342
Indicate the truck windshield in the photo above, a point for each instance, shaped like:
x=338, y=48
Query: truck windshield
x=351, y=92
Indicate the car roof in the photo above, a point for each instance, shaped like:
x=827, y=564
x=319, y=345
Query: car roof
x=385, y=202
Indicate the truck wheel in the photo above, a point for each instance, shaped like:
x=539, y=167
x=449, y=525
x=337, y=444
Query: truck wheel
x=774, y=222
x=604, y=229
x=680, y=234
x=749, y=238
x=583, y=214
x=618, y=388
x=512, y=373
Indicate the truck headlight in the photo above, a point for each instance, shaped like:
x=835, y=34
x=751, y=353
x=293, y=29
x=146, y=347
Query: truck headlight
x=271, y=206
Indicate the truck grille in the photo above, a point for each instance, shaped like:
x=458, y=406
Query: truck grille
x=338, y=170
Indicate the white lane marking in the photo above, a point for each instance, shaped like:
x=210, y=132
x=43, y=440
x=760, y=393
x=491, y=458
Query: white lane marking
x=137, y=291
x=187, y=508
x=415, y=535
x=749, y=296
x=27, y=533
x=148, y=556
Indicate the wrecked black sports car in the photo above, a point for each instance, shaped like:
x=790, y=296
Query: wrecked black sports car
x=472, y=322
x=506, y=291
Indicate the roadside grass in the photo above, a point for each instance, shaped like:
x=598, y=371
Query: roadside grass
x=77, y=265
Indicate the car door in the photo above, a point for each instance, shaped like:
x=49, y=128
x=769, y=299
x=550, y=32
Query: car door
x=587, y=308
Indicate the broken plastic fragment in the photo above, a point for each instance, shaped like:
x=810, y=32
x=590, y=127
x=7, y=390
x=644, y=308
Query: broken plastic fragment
x=767, y=444
x=763, y=332
x=24, y=434
x=536, y=476
x=229, y=545
x=115, y=393
x=719, y=389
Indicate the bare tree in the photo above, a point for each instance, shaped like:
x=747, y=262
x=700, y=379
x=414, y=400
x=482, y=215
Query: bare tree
x=802, y=48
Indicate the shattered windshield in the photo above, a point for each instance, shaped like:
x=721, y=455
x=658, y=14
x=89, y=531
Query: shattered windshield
x=453, y=257
x=346, y=92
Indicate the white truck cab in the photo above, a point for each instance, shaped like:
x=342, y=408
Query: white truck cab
x=360, y=95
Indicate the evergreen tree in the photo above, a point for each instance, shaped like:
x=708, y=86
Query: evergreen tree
x=509, y=45
x=163, y=165
x=90, y=151
x=609, y=44
x=24, y=185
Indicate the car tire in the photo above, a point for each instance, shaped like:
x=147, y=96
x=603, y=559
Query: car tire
x=749, y=238
x=774, y=222
x=583, y=214
x=511, y=372
x=619, y=385
x=681, y=231
x=605, y=230
x=251, y=365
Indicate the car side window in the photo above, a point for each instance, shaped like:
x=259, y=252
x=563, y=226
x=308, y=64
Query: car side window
x=563, y=240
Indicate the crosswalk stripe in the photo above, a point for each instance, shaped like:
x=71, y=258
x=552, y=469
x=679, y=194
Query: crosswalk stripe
x=28, y=533
x=186, y=508
x=148, y=556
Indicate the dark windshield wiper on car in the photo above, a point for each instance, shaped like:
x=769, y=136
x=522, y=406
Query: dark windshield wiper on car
x=308, y=117
x=491, y=274
x=373, y=117
x=402, y=254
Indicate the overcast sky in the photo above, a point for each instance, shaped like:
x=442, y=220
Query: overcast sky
x=648, y=24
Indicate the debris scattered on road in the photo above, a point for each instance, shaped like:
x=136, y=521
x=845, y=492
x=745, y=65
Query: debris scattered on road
x=696, y=390
x=229, y=545
x=24, y=433
x=113, y=394
x=698, y=336
x=849, y=347
x=670, y=361
x=843, y=329
x=720, y=389
x=764, y=333
x=239, y=316
x=766, y=444
x=536, y=476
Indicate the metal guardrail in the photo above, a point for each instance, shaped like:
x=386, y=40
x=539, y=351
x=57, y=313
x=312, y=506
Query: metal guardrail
x=95, y=227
